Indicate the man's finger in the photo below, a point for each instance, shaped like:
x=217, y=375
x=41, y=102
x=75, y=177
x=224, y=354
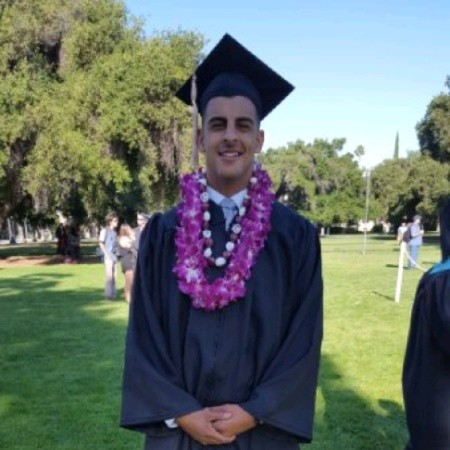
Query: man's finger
x=217, y=414
x=213, y=437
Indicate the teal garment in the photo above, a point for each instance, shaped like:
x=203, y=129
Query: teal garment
x=444, y=265
x=426, y=367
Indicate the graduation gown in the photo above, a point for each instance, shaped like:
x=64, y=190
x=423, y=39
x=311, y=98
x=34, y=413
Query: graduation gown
x=426, y=370
x=261, y=352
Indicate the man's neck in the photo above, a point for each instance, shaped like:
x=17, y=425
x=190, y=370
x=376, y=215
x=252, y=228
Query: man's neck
x=228, y=190
x=217, y=197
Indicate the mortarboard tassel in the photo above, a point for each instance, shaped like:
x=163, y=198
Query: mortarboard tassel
x=194, y=153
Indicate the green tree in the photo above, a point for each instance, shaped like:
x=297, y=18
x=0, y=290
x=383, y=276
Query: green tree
x=90, y=120
x=411, y=185
x=19, y=93
x=433, y=130
x=31, y=56
x=317, y=181
x=359, y=152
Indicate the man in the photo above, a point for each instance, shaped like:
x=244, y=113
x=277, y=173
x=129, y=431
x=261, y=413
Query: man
x=400, y=232
x=61, y=237
x=108, y=245
x=426, y=370
x=142, y=220
x=225, y=328
x=415, y=241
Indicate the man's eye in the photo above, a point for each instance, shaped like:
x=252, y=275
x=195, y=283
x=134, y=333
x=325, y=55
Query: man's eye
x=244, y=125
x=216, y=125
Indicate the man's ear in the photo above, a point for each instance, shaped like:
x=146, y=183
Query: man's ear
x=260, y=141
x=199, y=140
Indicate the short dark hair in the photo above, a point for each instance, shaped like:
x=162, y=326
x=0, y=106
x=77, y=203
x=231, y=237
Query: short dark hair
x=110, y=217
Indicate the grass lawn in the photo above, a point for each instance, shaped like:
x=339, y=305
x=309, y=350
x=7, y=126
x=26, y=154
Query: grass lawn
x=62, y=346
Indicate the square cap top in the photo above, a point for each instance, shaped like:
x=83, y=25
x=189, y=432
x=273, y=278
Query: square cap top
x=230, y=70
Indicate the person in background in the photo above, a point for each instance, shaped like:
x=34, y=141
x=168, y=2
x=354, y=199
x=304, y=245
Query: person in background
x=61, y=239
x=108, y=244
x=73, y=254
x=142, y=220
x=225, y=328
x=126, y=253
x=426, y=368
x=415, y=241
x=401, y=231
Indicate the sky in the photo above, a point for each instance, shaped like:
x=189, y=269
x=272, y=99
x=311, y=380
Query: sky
x=362, y=69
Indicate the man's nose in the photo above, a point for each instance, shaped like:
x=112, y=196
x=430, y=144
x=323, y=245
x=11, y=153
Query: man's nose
x=230, y=132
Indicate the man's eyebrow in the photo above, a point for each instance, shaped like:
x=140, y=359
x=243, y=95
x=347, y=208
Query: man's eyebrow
x=245, y=119
x=217, y=118
x=241, y=119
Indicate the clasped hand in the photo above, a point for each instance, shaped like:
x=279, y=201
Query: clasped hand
x=217, y=425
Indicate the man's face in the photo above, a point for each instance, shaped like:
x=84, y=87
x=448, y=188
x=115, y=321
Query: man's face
x=141, y=221
x=230, y=137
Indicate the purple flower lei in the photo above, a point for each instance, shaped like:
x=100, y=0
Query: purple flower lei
x=190, y=242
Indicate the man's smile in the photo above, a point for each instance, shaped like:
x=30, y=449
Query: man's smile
x=230, y=154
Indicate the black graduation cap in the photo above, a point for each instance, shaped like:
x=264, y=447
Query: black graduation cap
x=230, y=70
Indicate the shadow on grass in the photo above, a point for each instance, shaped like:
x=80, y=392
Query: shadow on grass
x=43, y=249
x=386, y=297
x=350, y=422
x=42, y=260
x=61, y=364
x=425, y=264
x=429, y=263
x=430, y=238
x=382, y=237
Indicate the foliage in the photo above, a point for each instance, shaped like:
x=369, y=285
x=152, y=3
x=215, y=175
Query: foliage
x=407, y=186
x=19, y=93
x=434, y=129
x=91, y=123
x=317, y=181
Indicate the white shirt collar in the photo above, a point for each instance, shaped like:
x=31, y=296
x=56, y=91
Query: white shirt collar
x=217, y=197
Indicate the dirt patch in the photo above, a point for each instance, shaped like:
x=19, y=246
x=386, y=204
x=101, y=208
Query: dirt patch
x=25, y=261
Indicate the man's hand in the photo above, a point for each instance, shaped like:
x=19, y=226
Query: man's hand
x=238, y=422
x=200, y=426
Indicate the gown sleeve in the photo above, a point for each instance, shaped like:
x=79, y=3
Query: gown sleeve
x=285, y=396
x=438, y=298
x=425, y=380
x=152, y=390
